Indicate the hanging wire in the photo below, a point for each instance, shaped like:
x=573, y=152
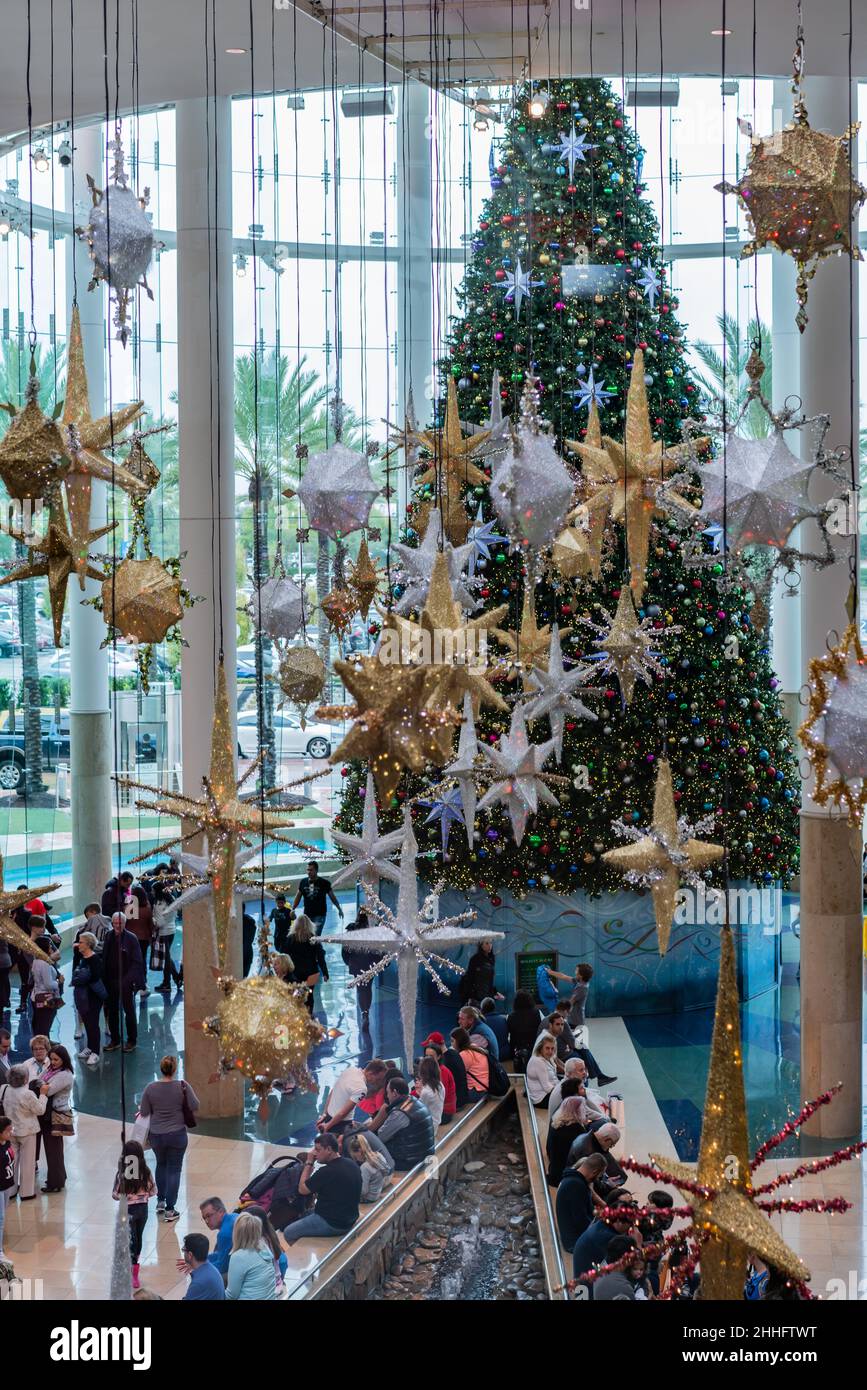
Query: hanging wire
x=213, y=287
x=725, y=531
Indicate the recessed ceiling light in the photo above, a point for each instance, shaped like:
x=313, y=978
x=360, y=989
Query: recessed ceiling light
x=236, y=50
x=720, y=33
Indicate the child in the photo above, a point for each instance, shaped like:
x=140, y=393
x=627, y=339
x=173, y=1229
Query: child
x=135, y=1182
x=7, y=1173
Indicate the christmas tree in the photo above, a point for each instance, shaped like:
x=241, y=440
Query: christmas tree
x=566, y=291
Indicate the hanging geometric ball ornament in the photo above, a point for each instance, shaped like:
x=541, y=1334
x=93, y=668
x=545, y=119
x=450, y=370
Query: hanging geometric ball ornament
x=301, y=677
x=277, y=608
x=338, y=489
x=531, y=490
x=758, y=489
x=835, y=730
x=120, y=235
x=142, y=602
x=56, y=556
x=365, y=579
x=265, y=1031
x=632, y=482
x=800, y=191
x=663, y=856
x=32, y=452
x=339, y=608
x=450, y=469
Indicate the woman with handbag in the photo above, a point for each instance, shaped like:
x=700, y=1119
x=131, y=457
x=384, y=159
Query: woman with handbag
x=90, y=995
x=169, y=1105
x=23, y=1108
x=56, y=1124
x=307, y=955
x=45, y=996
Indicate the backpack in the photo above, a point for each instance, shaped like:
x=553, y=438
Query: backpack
x=498, y=1078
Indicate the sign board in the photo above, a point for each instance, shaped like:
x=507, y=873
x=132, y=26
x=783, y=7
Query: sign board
x=526, y=965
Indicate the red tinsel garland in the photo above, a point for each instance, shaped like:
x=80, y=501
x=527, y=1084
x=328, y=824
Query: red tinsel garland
x=650, y=1170
x=819, y=1165
x=792, y=1126
x=825, y=1204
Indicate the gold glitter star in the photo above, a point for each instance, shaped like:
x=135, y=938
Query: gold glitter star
x=9, y=903
x=57, y=556
x=219, y=813
x=450, y=470
x=663, y=855
x=733, y=1225
x=626, y=480
x=528, y=647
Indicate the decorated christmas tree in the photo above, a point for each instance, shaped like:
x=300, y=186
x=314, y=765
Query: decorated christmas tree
x=618, y=656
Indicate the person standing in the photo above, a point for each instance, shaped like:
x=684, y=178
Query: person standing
x=280, y=918
x=90, y=995
x=248, y=940
x=45, y=997
x=170, y=1106
x=316, y=893
x=165, y=921
x=123, y=974
x=123, y=895
x=23, y=1108
x=56, y=1124
x=5, y=972
x=134, y=1181
x=6, y=1062
x=308, y=957
x=7, y=1173
x=477, y=981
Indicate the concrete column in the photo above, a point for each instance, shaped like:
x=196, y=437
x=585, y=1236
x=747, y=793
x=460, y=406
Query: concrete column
x=207, y=520
x=415, y=282
x=91, y=752
x=831, y=889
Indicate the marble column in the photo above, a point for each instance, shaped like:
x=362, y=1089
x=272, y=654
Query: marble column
x=207, y=522
x=831, y=885
x=91, y=751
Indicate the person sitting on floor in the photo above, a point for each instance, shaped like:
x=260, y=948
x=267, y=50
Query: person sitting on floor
x=575, y=1069
x=591, y=1247
x=574, y=1204
x=374, y=1160
x=408, y=1129
x=601, y=1141
x=542, y=1071
x=498, y=1024
x=336, y=1184
x=564, y=1128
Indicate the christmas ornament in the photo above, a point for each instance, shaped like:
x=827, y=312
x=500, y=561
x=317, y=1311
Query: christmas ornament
x=417, y=564
x=393, y=728
x=592, y=392
x=531, y=489
x=410, y=936
x=219, y=814
x=835, y=730
x=447, y=808
x=517, y=284
x=138, y=462
x=369, y=852
x=450, y=469
x=528, y=646
x=627, y=481
x=364, y=580
x=587, y=525
x=518, y=764
x=571, y=149
x=758, y=489
x=481, y=538
x=570, y=553
x=662, y=856
x=496, y=426
x=9, y=903
x=120, y=235
x=301, y=676
x=86, y=438
x=197, y=885
x=339, y=608
x=32, y=457
x=463, y=768
x=626, y=647
x=799, y=190
x=726, y=1216
x=338, y=488
x=277, y=607
x=57, y=556
x=650, y=283
x=142, y=600
x=265, y=1031
x=555, y=698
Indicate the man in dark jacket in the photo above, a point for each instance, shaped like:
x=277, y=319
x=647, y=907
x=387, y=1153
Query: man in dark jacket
x=122, y=894
x=600, y=1140
x=281, y=918
x=591, y=1248
x=123, y=974
x=575, y=1199
x=408, y=1129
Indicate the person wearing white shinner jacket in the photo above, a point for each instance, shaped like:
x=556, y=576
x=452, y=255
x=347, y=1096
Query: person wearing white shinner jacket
x=542, y=1071
x=23, y=1108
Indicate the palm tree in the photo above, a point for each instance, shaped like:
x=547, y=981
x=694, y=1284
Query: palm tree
x=14, y=373
x=731, y=370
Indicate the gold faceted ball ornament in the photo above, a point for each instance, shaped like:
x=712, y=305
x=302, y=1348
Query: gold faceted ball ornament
x=301, y=677
x=142, y=600
x=32, y=453
x=339, y=607
x=265, y=1030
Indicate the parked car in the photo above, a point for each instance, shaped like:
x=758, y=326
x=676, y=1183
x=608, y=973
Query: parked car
x=246, y=661
x=314, y=741
x=55, y=745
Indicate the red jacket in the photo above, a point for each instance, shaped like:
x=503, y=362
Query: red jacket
x=451, y=1101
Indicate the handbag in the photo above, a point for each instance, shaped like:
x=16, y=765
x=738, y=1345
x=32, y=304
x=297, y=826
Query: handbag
x=62, y=1124
x=140, y=1128
x=44, y=999
x=189, y=1115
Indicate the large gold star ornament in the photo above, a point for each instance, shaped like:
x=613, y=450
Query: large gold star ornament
x=528, y=647
x=662, y=856
x=626, y=482
x=57, y=556
x=9, y=903
x=450, y=469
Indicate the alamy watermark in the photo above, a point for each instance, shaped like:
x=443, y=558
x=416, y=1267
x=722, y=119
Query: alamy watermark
x=22, y=517
x=420, y=646
x=746, y=907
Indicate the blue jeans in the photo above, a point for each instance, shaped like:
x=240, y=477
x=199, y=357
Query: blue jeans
x=169, y=1150
x=311, y=1225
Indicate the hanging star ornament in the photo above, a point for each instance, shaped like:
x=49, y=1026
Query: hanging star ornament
x=626, y=647
x=450, y=468
x=365, y=580
x=462, y=769
x=531, y=490
x=32, y=454
x=664, y=855
x=800, y=192
x=394, y=728
x=517, y=765
x=727, y=1217
x=412, y=937
x=56, y=556
x=592, y=392
x=529, y=646
x=573, y=148
x=517, y=284
x=835, y=730
x=447, y=808
x=626, y=482
x=578, y=548
x=197, y=883
x=555, y=697
x=417, y=564
x=219, y=814
x=85, y=439
x=650, y=283
x=481, y=538
x=9, y=903
x=369, y=853
x=757, y=489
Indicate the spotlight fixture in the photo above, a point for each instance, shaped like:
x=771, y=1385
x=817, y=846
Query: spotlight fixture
x=236, y=51
x=5, y=223
x=537, y=105
x=720, y=33
x=240, y=265
x=64, y=154
x=41, y=162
